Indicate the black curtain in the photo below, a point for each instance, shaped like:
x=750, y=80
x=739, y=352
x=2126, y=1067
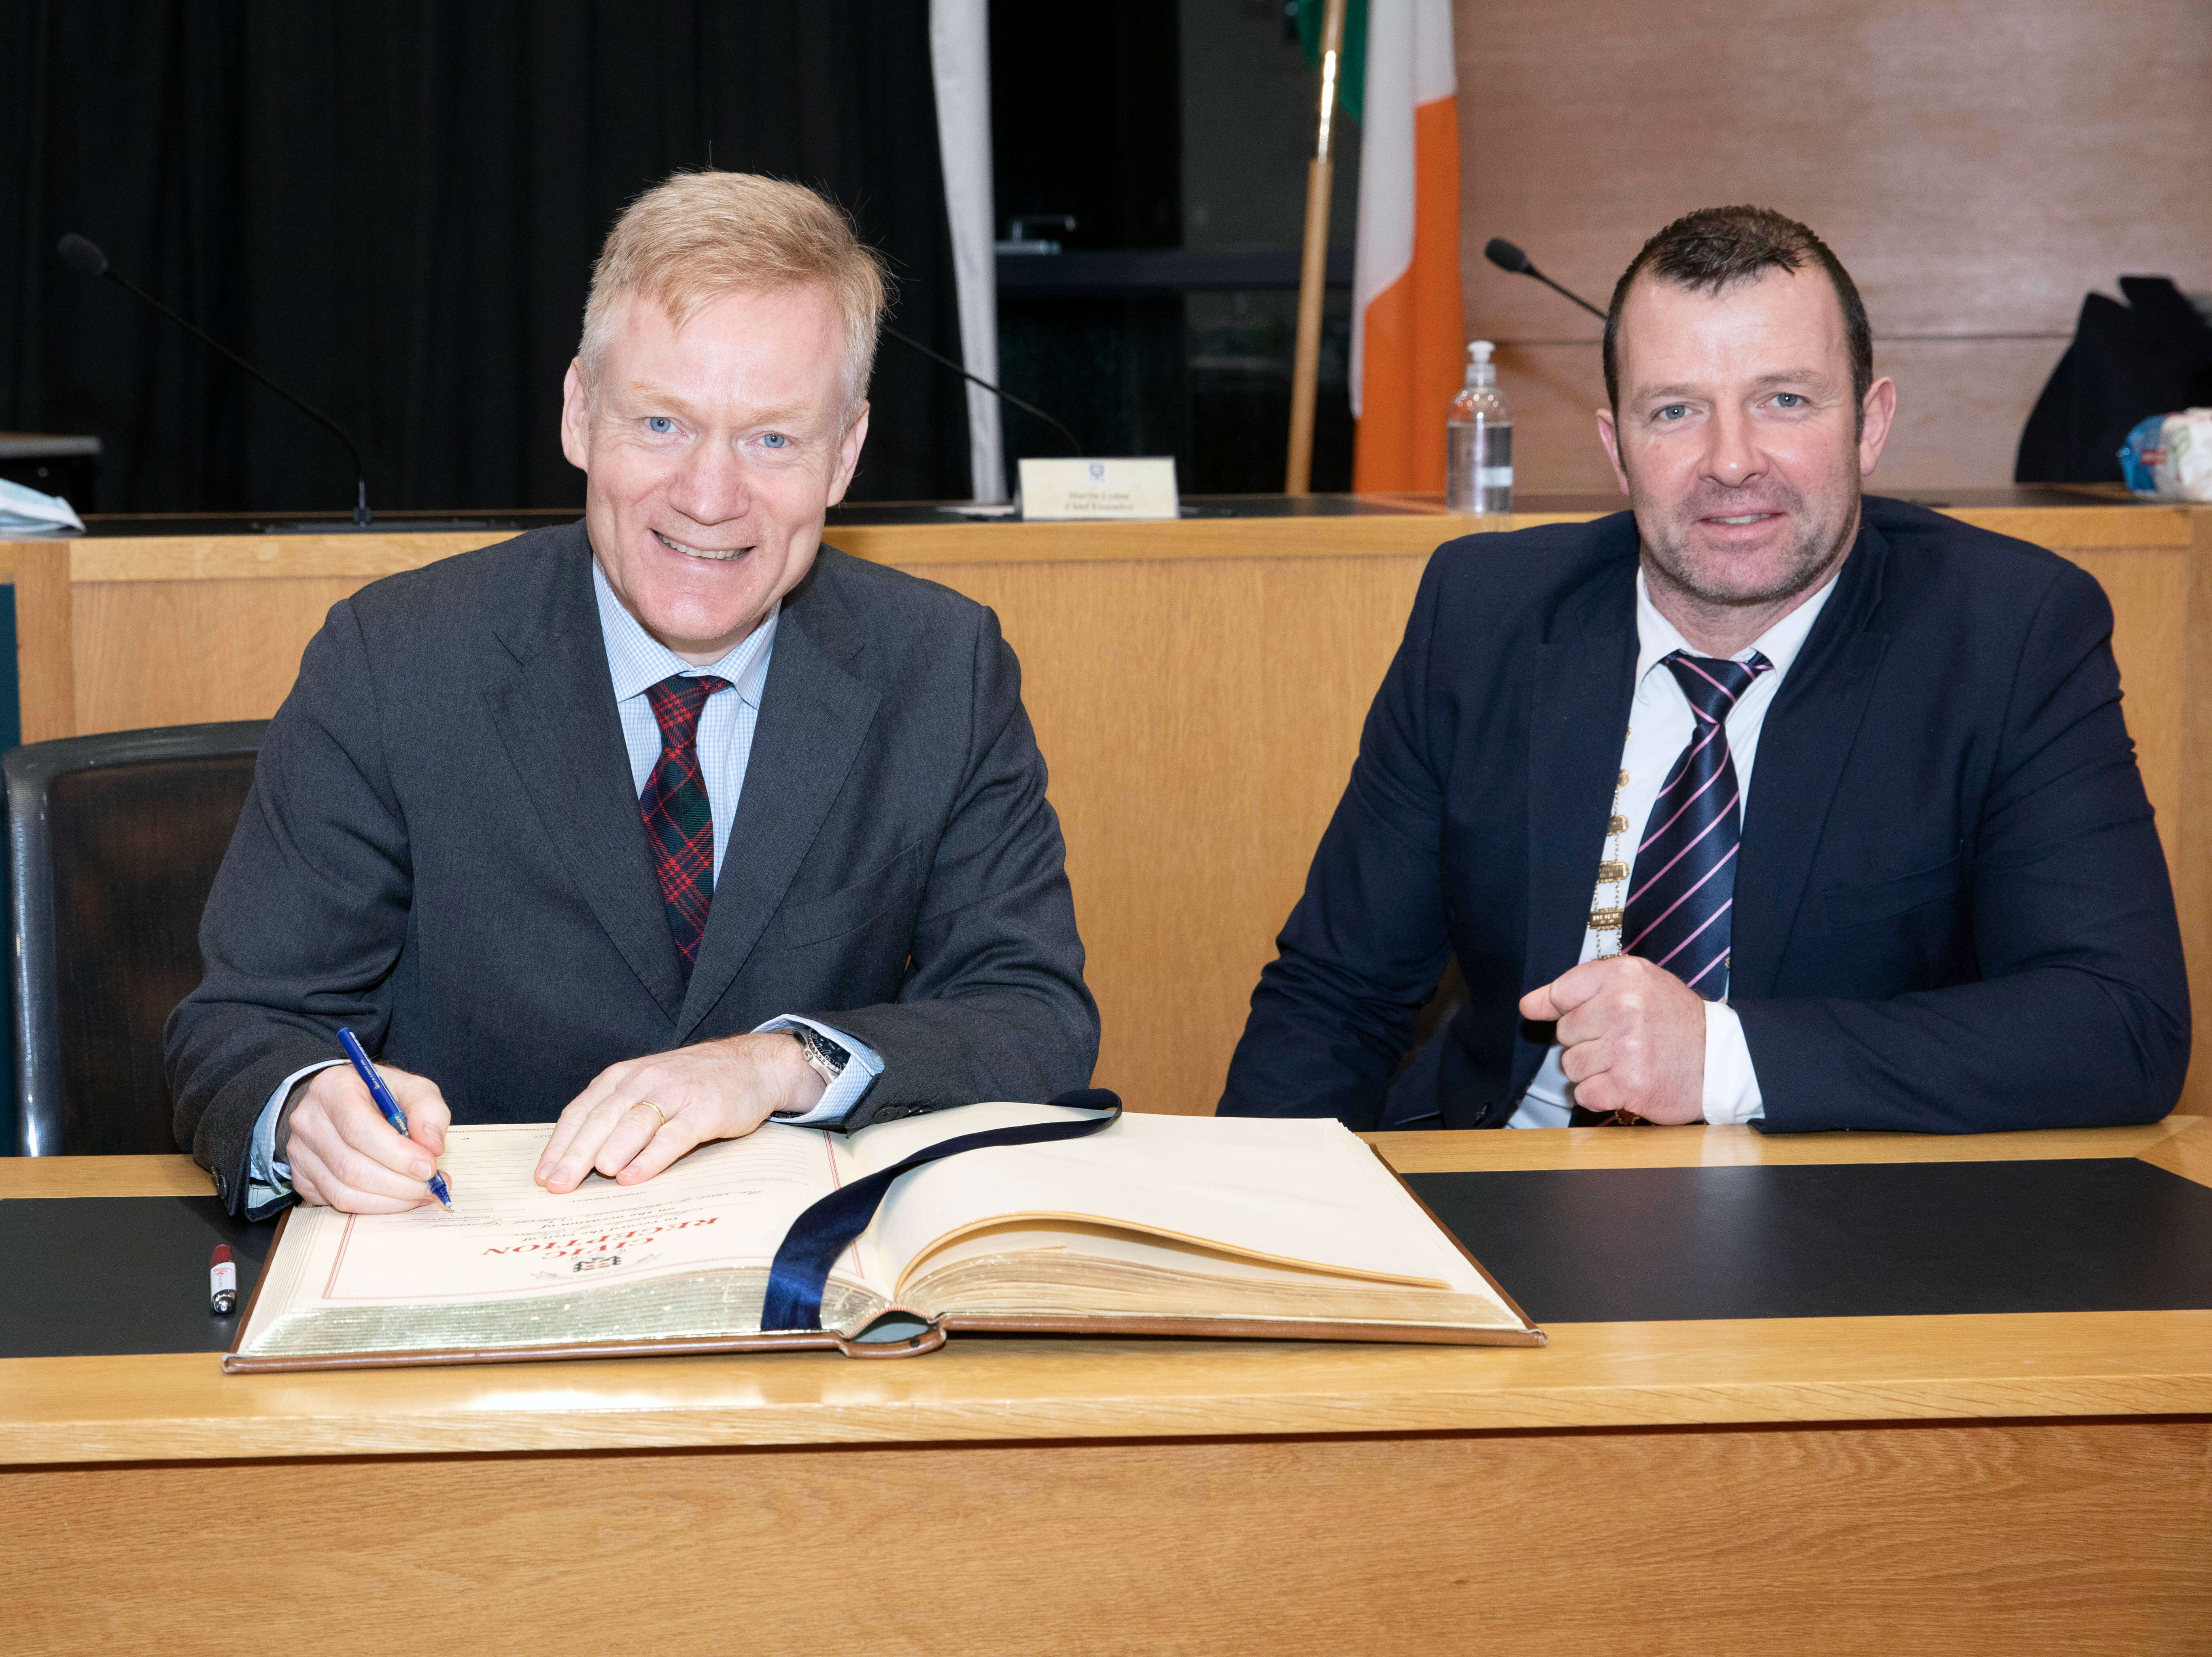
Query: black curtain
x=1087, y=122
x=393, y=207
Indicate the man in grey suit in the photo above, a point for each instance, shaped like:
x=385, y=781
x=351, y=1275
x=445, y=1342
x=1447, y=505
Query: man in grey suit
x=665, y=823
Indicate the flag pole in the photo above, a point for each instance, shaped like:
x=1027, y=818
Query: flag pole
x=1313, y=269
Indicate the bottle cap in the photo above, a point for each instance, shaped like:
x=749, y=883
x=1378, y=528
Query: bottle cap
x=1480, y=371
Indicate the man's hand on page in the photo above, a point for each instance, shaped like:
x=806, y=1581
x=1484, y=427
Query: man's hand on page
x=639, y=1116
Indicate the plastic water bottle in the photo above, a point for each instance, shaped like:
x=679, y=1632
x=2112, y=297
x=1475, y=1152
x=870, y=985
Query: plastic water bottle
x=1478, y=438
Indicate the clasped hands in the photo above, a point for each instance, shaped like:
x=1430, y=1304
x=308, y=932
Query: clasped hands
x=345, y=1156
x=1634, y=1035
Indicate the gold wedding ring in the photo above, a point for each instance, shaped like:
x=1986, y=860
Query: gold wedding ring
x=648, y=1104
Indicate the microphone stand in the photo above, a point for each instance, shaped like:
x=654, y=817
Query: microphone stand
x=1508, y=258
x=1533, y=271
x=84, y=257
x=1074, y=445
x=74, y=249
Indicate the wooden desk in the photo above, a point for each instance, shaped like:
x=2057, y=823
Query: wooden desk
x=1198, y=688
x=2001, y=1484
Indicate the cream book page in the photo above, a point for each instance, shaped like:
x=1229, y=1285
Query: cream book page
x=1304, y=1194
x=1062, y=1269
x=727, y=1206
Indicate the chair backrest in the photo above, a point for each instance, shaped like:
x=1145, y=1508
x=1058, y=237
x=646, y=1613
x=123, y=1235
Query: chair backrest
x=113, y=844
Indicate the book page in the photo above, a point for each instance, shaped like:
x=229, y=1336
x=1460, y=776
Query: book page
x=726, y=1204
x=1069, y=1269
x=1305, y=1192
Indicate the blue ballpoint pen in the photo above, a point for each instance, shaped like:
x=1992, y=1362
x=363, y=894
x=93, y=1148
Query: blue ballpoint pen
x=390, y=1107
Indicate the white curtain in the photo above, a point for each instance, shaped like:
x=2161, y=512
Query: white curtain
x=960, y=66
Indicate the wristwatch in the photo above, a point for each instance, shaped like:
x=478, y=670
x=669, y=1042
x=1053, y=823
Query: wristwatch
x=823, y=1056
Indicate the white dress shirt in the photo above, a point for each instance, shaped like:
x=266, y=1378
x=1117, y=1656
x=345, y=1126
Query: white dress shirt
x=635, y=662
x=1660, y=726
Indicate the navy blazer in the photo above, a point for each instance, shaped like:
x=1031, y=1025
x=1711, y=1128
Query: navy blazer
x=1952, y=913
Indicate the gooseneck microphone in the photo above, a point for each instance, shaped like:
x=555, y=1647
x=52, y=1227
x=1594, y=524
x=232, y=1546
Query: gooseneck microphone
x=85, y=257
x=1506, y=257
x=912, y=344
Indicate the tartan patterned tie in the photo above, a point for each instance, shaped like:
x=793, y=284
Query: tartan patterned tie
x=678, y=823
x=1682, y=891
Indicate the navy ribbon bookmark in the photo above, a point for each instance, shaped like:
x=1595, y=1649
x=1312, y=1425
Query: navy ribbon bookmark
x=823, y=1232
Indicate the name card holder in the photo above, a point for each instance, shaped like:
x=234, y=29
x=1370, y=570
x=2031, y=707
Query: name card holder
x=1064, y=489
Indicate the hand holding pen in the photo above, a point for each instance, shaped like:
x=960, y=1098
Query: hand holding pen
x=389, y=1108
x=343, y=1152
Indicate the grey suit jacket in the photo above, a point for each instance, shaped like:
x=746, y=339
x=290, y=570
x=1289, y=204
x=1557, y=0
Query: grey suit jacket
x=442, y=850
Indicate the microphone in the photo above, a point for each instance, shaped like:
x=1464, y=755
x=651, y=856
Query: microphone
x=85, y=257
x=938, y=357
x=1506, y=257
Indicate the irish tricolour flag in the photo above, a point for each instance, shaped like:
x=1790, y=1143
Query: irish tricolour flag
x=1406, y=331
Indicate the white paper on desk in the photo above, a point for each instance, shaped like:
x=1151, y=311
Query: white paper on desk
x=26, y=512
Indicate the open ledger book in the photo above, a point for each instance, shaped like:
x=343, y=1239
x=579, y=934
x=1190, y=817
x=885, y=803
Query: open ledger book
x=1158, y=1225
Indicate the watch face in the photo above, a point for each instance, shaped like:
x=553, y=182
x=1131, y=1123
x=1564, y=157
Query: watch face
x=826, y=1050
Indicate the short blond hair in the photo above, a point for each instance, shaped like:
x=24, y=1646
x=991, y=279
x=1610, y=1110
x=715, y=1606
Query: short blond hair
x=700, y=235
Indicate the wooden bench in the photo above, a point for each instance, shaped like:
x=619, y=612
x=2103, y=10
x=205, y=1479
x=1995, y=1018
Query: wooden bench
x=1198, y=688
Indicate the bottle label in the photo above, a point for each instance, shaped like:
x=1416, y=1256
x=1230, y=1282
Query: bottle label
x=1494, y=478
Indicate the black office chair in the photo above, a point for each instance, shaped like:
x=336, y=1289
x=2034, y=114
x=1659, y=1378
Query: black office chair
x=113, y=843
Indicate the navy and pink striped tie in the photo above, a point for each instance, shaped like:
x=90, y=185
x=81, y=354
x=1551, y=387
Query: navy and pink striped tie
x=1683, y=886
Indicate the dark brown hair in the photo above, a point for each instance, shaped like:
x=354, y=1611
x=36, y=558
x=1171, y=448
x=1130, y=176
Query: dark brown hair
x=1714, y=246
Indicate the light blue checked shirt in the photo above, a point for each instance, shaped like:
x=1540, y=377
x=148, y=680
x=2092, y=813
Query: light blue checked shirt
x=638, y=661
x=635, y=661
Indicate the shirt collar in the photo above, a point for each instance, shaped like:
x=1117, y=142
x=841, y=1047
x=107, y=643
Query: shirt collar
x=1656, y=636
x=635, y=659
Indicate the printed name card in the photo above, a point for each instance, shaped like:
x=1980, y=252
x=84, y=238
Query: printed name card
x=1098, y=488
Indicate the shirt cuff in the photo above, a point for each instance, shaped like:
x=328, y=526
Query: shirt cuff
x=1732, y=1093
x=840, y=1095
x=267, y=1179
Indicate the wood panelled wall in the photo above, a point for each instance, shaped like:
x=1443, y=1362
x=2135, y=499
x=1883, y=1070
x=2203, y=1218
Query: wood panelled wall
x=1978, y=164
x=1198, y=688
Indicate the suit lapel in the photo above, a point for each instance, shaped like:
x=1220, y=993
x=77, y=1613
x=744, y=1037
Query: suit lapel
x=814, y=716
x=556, y=717
x=1585, y=674
x=1802, y=746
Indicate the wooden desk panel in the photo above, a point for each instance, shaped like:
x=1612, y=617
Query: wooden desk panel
x=1592, y=1375
x=1899, y=1485
x=2081, y=1537
x=180, y=1406
x=1198, y=688
x=1201, y=719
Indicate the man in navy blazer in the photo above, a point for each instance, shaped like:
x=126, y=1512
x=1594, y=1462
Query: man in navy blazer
x=1761, y=802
